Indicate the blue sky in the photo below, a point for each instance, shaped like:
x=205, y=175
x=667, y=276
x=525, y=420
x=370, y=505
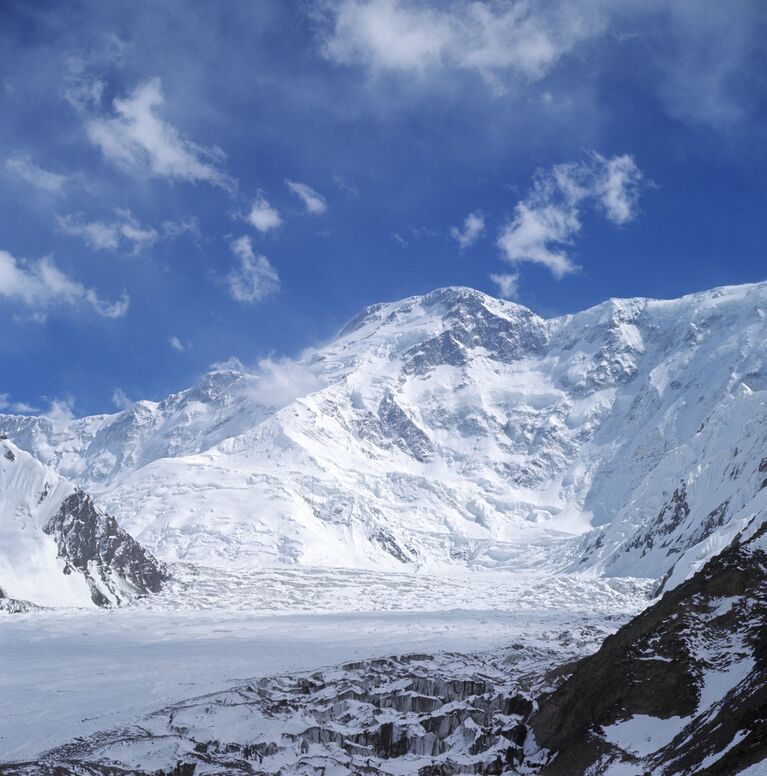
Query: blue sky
x=183, y=182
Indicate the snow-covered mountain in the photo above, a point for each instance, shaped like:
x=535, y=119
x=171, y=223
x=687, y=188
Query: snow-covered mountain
x=57, y=548
x=453, y=429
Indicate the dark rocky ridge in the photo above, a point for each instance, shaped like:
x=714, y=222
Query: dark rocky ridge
x=92, y=543
x=655, y=665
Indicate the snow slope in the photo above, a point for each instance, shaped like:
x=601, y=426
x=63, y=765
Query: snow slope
x=448, y=430
x=56, y=548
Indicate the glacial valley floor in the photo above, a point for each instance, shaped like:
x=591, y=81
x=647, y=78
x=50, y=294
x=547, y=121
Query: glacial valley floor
x=65, y=674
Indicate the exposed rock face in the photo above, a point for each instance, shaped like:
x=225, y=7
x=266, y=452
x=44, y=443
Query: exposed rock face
x=681, y=688
x=92, y=543
x=57, y=548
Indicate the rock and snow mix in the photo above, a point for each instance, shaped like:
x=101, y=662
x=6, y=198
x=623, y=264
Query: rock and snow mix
x=57, y=548
x=444, y=451
x=449, y=430
x=679, y=689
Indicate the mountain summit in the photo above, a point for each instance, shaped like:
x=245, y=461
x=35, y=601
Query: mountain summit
x=453, y=429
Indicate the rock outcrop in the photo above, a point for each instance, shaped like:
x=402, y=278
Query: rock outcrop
x=58, y=549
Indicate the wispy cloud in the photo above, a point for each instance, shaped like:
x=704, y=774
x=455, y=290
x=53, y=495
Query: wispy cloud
x=40, y=285
x=344, y=185
x=125, y=231
x=137, y=139
x=23, y=167
x=60, y=412
x=263, y=216
x=16, y=406
x=254, y=279
x=546, y=221
x=508, y=284
x=313, y=201
x=120, y=399
x=517, y=38
x=176, y=344
x=707, y=64
x=473, y=227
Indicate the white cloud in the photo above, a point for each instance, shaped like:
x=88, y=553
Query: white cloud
x=516, y=38
x=41, y=284
x=313, y=201
x=23, y=167
x=61, y=412
x=473, y=227
x=138, y=140
x=348, y=188
x=281, y=381
x=618, y=188
x=124, y=231
x=176, y=343
x=16, y=406
x=263, y=216
x=508, y=284
x=708, y=60
x=121, y=400
x=544, y=224
x=254, y=279
x=172, y=229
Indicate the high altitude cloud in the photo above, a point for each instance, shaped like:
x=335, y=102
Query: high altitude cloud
x=254, y=279
x=41, y=284
x=519, y=37
x=545, y=223
x=473, y=227
x=137, y=139
x=23, y=167
x=263, y=216
x=313, y=201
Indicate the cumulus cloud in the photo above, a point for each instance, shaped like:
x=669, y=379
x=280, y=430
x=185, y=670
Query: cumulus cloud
x=23, y=167
x=545, y=223
x=518, y=38
x=254, y=278
x=39, y=285
x=313, y=201
x=508, y=284
x=137, y=139
x=473, y=227
x=176, y=344
x=263, y=216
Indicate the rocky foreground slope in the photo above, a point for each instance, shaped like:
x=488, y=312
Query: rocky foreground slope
x=453, y=429
x=680, y=689
x=57, y=548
